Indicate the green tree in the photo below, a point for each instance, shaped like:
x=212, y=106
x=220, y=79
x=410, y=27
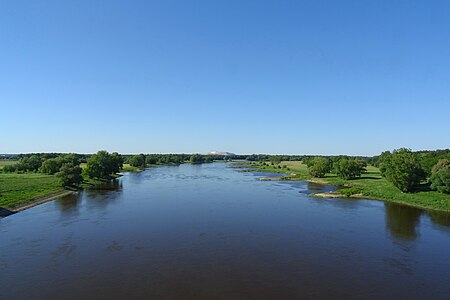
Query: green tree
x=197, y=159
x=29, y=163
x=70, y=174
x=384, y=157
x=71, y=158
x=102, y=165
x=440, y=176
x=138, y=161
x=350, y=168
x=51, y=166
x=276, y=159
x=117, y=162
x=318, y=166
x=402, y=169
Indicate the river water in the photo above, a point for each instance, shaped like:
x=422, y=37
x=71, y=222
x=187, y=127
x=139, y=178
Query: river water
x=210, y=232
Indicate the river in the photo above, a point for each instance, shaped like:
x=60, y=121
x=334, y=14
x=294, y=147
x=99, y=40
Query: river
x=210, y=232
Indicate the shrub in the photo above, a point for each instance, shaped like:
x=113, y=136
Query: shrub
x=349, y=168
x=403, y=170
x=440, y=176
x=318, y=167
x=69, y=174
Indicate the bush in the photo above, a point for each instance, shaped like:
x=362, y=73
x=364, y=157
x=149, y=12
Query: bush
x=9, y=168
x=350, y=191
x=102, y=165
x=318, y=166
x=403, y=170
x=440, y=176
x=349, y=168
x=69, y=174
x=197, y=159
x=138, y=161
x=51, y=166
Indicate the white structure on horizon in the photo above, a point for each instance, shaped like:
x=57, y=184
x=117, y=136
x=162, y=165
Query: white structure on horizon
x=221, y=153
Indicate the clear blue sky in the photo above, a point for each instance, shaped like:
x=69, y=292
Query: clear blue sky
x=295, y=77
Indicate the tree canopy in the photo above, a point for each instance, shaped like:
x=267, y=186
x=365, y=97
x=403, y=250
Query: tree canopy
x=318, y=166
x=70, y=174
x=138, y=161
x=102, y=165
x=350, y=168
x=402, y=168
x=440, y=176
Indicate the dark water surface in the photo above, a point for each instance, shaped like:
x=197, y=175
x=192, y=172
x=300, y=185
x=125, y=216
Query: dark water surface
x=209, y=232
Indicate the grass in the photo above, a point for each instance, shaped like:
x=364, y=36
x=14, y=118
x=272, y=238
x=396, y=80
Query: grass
x=370, y=185
x=17, y=189
x=130, y=168
x=7, y=162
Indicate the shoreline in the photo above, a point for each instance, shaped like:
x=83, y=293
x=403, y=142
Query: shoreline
x=336, y=195
x=4, y=212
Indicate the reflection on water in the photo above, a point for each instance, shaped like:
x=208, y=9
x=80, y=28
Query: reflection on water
x=402, y=221
x=440, y=218
x=210, y=232
x=69, y=203
x=112, y=185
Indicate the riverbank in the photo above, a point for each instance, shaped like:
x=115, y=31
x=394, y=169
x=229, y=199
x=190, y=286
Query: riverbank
x=41, y=200
x=19, y=189
x=370, y=186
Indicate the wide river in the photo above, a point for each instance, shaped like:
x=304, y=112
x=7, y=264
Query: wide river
x=210, y=232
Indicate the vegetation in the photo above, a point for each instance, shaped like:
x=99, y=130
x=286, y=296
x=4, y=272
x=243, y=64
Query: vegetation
x=138, y=161
x=440, y=176
x=350, y=168
x=319, y=166
x=129, y=168
x=197, y=159
x=17, y=189
x=402, y=168
x=276, y=159
x=103, y=165
x=416, y=178
x=370, y=185
x=70, y=174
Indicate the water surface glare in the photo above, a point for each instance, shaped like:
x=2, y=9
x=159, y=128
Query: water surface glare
x=209, y=232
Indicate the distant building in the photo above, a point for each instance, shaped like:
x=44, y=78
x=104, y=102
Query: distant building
x=221, y=153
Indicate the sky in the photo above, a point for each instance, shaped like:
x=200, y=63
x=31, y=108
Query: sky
x=279, y=77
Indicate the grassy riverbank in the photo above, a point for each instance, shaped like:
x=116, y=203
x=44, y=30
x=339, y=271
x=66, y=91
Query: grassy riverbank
x=18, y=189
x=371, y=185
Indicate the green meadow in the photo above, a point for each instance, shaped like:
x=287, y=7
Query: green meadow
x=370, y=185
x=17, y=189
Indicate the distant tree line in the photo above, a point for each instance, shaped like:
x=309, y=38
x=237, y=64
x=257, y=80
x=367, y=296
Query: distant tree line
x=404, y=168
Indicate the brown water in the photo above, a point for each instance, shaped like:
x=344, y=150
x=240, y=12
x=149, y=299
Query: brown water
x=209, y=232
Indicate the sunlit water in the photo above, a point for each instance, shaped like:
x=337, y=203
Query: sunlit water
x=210, y=232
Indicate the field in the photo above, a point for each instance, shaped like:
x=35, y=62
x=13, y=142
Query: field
x=129, y=168
x=17, y=189
x=371, y=185
x=7, y=162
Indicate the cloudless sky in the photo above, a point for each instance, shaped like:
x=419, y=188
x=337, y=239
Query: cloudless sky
x=294, y=77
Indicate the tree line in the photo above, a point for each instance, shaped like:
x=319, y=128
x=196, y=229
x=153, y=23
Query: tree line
x=102, y=165
x=402, y=167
